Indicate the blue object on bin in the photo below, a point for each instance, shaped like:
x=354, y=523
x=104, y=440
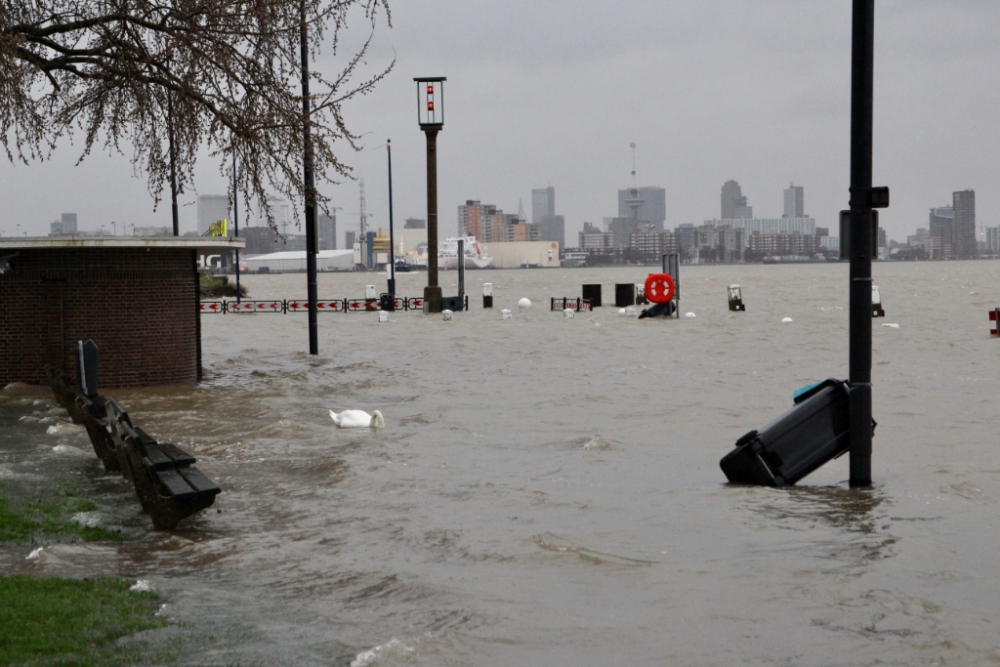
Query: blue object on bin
x=804, y=390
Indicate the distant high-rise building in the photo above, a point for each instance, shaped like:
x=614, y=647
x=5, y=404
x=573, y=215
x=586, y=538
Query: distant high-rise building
x=940, y=241
x=795, y=202
x=644, y=204
x=734, y=204
x=964, y=229
x=68, y=223
x=349, y=238
x=543, y=213
x=415, y=223
x=327, y=228
x=543, y=204
x=211, y=208
x=992, y=240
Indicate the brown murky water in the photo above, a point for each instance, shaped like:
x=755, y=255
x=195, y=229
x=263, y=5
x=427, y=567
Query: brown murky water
x=547, y=492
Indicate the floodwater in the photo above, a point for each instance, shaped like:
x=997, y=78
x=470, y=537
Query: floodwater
x=547, y=491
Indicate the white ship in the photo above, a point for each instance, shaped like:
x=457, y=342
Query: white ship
x=475, y=255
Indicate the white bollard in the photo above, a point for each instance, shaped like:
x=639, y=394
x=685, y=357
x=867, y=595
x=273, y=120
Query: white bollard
x=507, y=315
x=568, y=313
x=446, y=315
x=690, y=315
x=487, y=289
x=383, y=316
x=524, y=303
x=370, y=292
x=786, y=319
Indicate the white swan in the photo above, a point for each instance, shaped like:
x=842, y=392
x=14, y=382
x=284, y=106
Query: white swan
x=358, y=419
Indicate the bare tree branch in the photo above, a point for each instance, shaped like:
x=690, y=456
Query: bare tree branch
x=231, y=68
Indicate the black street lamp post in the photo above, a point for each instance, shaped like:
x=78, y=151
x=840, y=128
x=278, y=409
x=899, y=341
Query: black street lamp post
x=430, y=117
x=312, y=247
x=862, y=226
x=392, y=240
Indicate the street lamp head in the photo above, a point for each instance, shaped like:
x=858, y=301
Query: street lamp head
x=430, y=101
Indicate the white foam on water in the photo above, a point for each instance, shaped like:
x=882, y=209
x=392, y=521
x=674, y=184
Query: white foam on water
x=891, y=325
x=52, y=430
x=372, y=656
x=690, y=315
x=66, y=449
x=143, y=586
x=87, y=519
x=786, y=319
x=35, y=555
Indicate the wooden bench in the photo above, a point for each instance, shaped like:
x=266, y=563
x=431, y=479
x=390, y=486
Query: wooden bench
x=168, y=485
x=88, y=411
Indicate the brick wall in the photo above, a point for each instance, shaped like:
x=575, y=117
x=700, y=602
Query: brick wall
x=139, y=305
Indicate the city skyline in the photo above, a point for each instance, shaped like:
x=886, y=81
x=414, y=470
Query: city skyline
x=795, y=70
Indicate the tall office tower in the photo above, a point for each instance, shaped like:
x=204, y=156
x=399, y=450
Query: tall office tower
x=349, y=238
x=327, y=228
x=69, y=223
x=795, y=202
x=415, y=223
x=731, y=193
x=211, y=208
x=645, y=204
x=553, y=228
x=964, y=229
x=734, y=204
x=543, y=204
x=940, y=242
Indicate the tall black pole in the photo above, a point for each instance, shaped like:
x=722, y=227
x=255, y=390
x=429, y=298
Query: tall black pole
x=173, y=158
x=236, y=226
x=432, y=293
x=310, y=183
x=392, y=240
x=862, y=67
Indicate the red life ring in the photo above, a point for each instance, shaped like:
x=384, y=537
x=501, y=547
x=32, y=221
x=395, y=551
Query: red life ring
x=659, y=287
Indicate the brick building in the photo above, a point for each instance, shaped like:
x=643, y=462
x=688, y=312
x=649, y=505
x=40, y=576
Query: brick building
x=136, y=297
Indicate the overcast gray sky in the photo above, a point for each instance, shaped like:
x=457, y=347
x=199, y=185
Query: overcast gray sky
x=542, y=93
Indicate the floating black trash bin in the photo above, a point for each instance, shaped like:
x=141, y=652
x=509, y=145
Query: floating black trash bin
x=624, y=295
x=798, y=442
x=593, y=294
x=452, y=303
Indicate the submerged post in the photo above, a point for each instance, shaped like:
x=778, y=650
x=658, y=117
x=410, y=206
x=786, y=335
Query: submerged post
x=862, y=67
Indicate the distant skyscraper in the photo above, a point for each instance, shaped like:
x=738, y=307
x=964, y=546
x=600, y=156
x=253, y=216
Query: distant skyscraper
x=964, y=229
x=327, y=228
x=211, y=208
x=543, y=204
x=415, y=223
x=734, y=204
x=543, y=214
x=69, y=223
x=940, y=242
x=645, y=204
x=795, y=204
x=349, y=240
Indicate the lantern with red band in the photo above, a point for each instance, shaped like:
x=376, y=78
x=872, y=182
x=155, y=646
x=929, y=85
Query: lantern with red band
x=430, y=100
x=659, y=287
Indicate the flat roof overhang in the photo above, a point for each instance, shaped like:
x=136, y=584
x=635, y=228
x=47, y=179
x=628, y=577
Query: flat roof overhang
x=204, y=243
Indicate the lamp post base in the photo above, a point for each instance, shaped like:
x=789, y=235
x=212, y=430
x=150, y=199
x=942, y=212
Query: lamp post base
x=432, y=299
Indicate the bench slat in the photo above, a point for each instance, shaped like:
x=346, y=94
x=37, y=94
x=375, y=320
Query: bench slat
x=179, y=456
x=177, y=487
x=199, y=481
x=157, y=459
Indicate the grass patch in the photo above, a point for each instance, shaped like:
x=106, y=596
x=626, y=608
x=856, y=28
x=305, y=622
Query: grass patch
x=52, y=621
x=52, y=516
